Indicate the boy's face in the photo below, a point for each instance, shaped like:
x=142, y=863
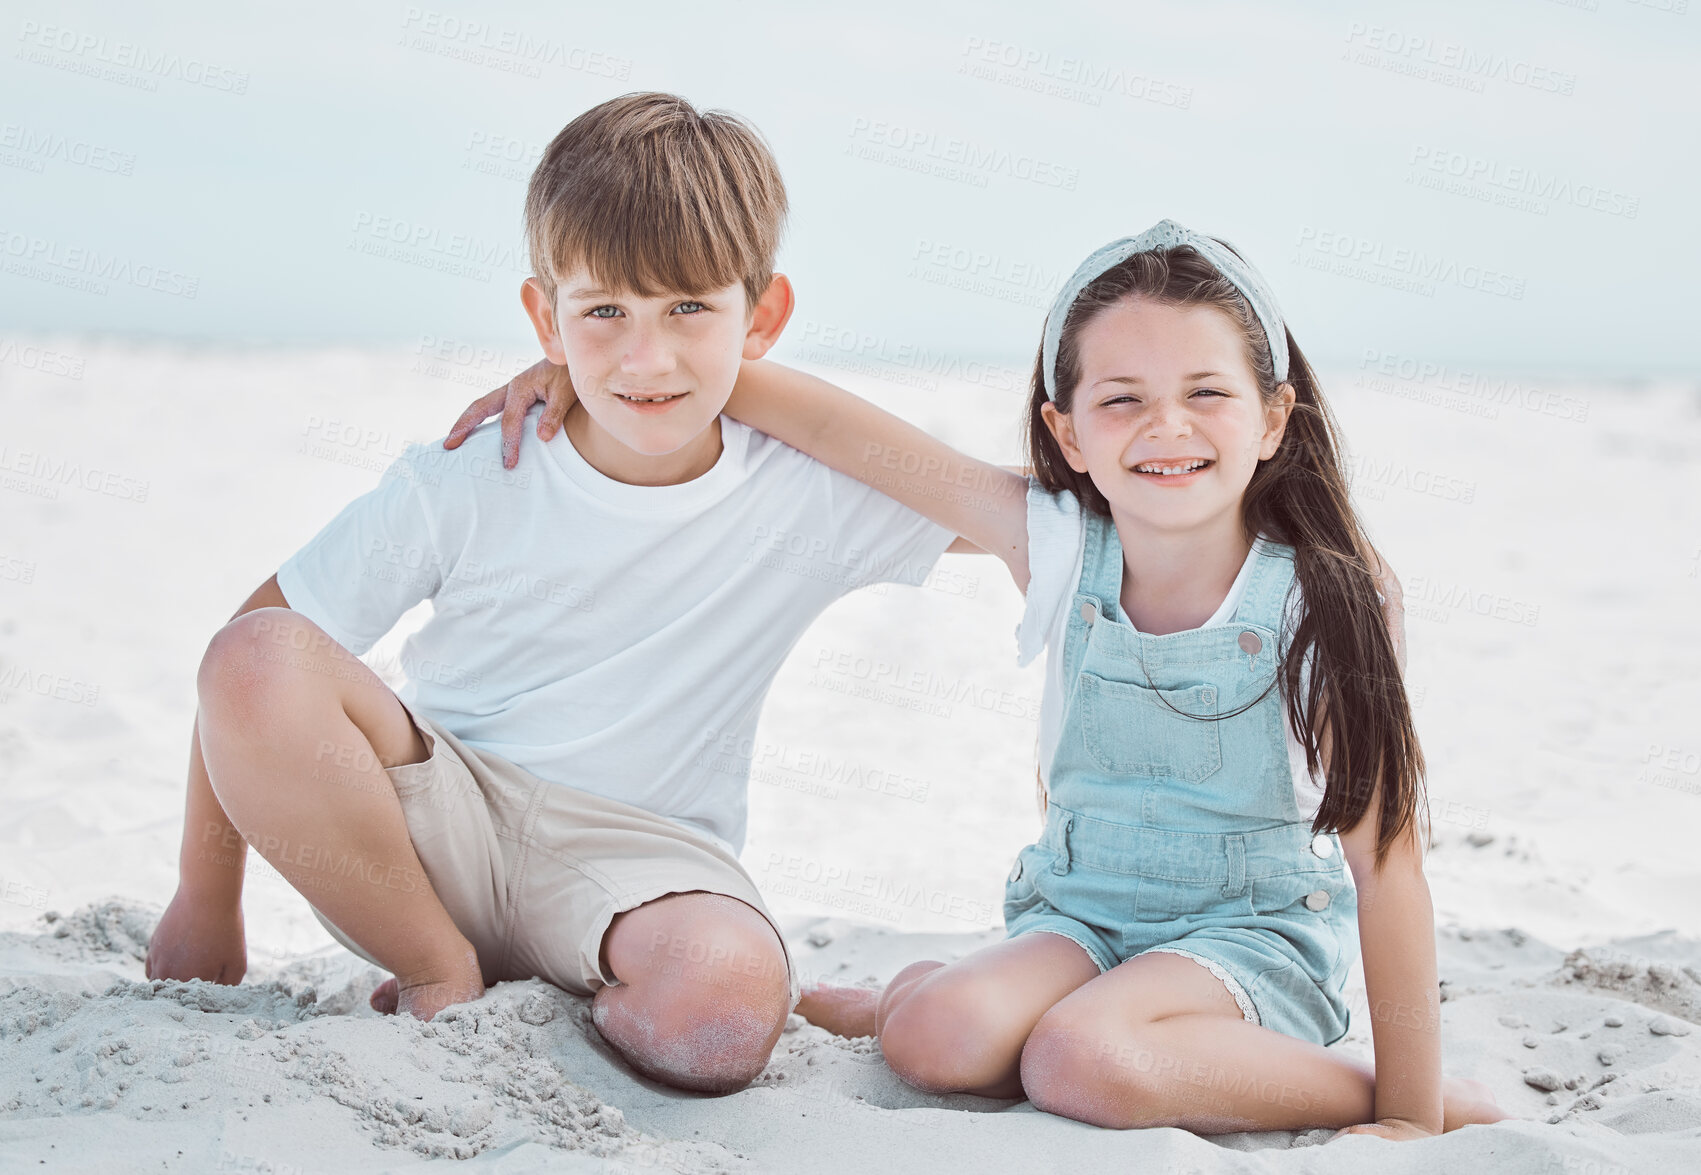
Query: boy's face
x=654, y=373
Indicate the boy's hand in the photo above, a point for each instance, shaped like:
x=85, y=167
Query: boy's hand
x=198, y=939
x=1396, y=1129
x=544, y=381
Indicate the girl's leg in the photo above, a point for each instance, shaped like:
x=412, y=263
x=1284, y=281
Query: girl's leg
x=959, y=1027
x=1159, y=1041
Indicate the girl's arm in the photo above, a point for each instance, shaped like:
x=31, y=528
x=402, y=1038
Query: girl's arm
x=1396, y=928
x=985, y=504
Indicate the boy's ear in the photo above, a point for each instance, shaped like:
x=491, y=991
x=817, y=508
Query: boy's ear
x=1276, y=421
x=1062, y=427
x=542, y=315
x=769, y=317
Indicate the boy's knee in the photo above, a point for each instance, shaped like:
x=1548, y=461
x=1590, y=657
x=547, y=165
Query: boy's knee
x=256, y=655
x=702, y=1008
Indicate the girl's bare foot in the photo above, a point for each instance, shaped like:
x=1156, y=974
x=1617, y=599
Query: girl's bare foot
x=1467, y=1103
x=843, y=1011
x=425, y=995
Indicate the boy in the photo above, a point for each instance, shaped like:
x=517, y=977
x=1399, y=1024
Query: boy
x=551, y=794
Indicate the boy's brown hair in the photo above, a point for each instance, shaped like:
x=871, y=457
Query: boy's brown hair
x=652, y=198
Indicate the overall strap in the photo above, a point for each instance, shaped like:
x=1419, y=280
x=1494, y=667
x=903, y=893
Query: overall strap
x=1265, y=599
x=1101, y=579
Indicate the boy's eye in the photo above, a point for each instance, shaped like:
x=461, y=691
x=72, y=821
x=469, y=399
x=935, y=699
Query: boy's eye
x=698, y=305
x=597, y=312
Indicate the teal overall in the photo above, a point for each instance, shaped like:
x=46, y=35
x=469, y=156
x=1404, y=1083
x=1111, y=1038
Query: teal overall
x=1171, y=833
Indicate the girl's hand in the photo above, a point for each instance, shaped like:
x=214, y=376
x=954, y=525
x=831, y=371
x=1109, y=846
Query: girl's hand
x=1396, y=1129
x=543, y=381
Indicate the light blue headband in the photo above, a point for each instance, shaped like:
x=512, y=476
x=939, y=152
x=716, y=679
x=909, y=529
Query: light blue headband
x=1167, y=234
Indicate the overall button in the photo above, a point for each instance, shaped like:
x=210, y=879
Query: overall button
x=1089, y=612
x=1317, y=899
x=1322, y=846
x=1016, y=871
x=1250, y=644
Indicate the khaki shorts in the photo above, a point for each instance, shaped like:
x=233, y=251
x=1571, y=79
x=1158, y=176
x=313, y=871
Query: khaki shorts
x=533, y=872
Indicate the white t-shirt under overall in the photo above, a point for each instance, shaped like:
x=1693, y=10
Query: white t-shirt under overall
x=1057, y=547
x=615, y=638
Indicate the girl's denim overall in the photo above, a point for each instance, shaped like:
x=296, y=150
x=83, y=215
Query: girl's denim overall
x=1170, y=833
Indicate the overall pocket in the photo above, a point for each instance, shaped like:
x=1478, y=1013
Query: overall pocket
x=1133, y=730
x=1021, y=888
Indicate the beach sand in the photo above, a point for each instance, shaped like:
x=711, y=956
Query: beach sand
x=1548, y=534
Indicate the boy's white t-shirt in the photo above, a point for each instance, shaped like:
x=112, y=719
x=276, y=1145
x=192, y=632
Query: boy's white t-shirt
x=1057, y=547
x=615, y=638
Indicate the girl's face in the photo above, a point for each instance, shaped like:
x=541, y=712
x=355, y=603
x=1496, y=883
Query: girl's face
x=1167, y=388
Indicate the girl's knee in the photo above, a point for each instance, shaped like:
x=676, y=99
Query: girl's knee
x=1092, y=1071
x=951, y=1033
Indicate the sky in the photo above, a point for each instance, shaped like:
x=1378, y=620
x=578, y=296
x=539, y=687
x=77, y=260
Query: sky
x=1502, y=185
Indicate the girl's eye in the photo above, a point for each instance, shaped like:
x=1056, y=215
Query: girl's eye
x=1210, y=392
x=698, y=305
x=1120, y=400
x=597, y=312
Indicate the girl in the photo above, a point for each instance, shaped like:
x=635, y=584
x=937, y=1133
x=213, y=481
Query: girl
x=1223, y=723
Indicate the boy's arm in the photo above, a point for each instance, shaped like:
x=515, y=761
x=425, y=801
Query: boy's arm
x=200, y=935
x=984, y=503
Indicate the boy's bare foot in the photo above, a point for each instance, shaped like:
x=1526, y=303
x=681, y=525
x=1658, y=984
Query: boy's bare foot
x=843, y=1011
x=1465, y=1102
x=423, y=998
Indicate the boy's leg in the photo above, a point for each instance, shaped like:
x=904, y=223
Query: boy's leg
x=960, y=1028
x=703, y=990
x=296, y=733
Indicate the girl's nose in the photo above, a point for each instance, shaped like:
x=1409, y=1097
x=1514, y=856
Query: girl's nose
x=1166, y=420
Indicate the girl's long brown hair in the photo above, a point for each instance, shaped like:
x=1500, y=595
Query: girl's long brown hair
x=1297, y=497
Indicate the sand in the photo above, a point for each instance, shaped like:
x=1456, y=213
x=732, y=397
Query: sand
x=1552, y=633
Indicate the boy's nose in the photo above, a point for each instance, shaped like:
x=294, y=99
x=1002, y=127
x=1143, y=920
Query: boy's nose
x=647, y=356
